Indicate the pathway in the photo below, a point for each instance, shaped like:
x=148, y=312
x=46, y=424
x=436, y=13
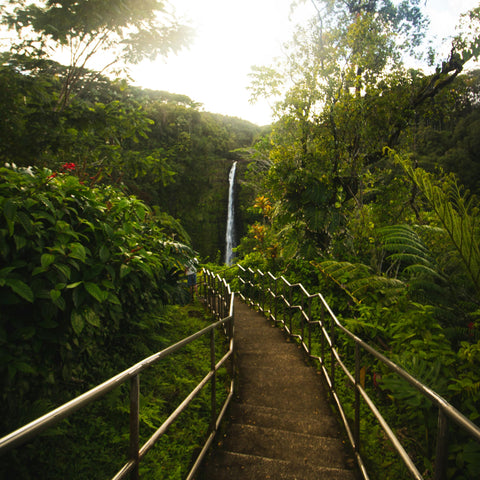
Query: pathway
x=280, y=424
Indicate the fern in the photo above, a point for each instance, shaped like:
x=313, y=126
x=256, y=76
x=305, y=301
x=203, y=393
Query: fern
x=410, y=250
x=458, y=215
x=357, y=280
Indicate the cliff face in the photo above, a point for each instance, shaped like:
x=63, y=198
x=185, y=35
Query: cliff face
x=201, y=148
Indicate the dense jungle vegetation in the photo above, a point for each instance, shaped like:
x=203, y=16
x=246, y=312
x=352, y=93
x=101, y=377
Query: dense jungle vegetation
x=105, y=191
x=364, y=188
x=368, y=193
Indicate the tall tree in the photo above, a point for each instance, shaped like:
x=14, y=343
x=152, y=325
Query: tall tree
x=337, y=65
x=121, y=30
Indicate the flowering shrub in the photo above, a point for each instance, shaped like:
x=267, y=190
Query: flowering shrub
x=77, y=266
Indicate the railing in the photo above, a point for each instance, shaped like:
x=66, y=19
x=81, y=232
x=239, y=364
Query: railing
x=280, y=300
x=220, y=300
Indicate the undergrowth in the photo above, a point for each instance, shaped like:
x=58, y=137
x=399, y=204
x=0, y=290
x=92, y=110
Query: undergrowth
x=93, y=443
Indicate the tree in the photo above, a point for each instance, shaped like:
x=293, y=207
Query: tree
x=349, y=97
x=122, y=30
x=339, y=68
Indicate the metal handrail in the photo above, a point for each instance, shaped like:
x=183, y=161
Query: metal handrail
x=260, y=289
x=219, y=299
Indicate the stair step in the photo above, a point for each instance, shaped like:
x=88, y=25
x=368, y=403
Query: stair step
x=324, y=424
x=232, y=465
x=280, y=424
x=296, y=448
x=296, y=395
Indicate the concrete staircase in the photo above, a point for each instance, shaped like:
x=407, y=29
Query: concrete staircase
x=281, y=426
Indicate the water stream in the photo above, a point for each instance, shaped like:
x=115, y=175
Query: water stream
x=230, y=235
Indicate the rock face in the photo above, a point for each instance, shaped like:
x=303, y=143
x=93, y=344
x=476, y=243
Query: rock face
x=281, y=426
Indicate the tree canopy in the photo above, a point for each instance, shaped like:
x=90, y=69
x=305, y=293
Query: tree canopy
x=122, y=31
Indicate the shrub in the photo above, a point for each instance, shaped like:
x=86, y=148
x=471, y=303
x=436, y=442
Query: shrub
x=77, y=264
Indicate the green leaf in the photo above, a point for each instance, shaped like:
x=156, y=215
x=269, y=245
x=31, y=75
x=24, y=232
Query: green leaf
x=20, y=242
x=92, y=318
x=124, y=270
x=26, y=222
x=77, y=250
x=74, y=285
x=77, y=322
x=95, y=291
x=5, y=271
x=47, y=259
x=38, y=270
x=64, y=270
x=9, y=210
x=112, y=298
x=55, y=295
x=20, y=288
x=57, y=299
x=104, y=253
x=24, y=367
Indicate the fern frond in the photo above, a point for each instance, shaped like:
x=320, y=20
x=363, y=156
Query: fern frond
x=375, y=282
x=344, y=268
x=458, y=214
x=425, y=269
x=357, y=280
x=411, y=258
x=409, y=249
x=336, y=271
x=398, y=246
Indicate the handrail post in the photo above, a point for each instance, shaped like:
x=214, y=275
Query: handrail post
x=134, y=425
x=213, y=383
x=264, y=292
x=309, y=316
x=268, y=295
x=217, y=299
x=332, y=355
x=208, y=290
x=302, y=319
x=442, y=446
x=322, y=338
x=275, y=300
x=222, y=299
x=290, y=294
x=356, y=426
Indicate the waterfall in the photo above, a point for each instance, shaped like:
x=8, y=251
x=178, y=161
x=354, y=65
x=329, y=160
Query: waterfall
x=230, y=235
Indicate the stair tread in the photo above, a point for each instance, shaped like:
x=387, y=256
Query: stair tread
x=319, y=423
x=229, y=465
x=281, y=426
x=284, y=445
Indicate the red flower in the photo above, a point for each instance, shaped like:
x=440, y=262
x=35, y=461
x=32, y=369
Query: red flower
x=53, y=175
x=68, y=166
x=471, y=328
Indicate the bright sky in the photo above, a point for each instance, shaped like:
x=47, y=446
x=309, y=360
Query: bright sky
x=233, y=35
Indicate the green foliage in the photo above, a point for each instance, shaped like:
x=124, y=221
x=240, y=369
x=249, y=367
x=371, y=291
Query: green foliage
x=157, y=145
x=78, y=264
x=457, y=214
x=93, y=443
x=121, y=30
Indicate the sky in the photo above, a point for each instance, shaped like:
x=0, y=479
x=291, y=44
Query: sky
x=232, y=36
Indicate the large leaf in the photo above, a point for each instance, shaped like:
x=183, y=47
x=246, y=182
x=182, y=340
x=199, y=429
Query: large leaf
x=77, y=322
x=47, y=259
x=95, y=291
x=77, y=250
x=458, y=215
x=20, y=288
